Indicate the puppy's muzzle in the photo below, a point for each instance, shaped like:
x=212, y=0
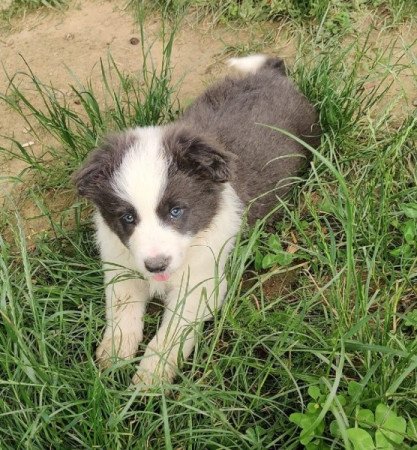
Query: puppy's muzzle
x=157, y=264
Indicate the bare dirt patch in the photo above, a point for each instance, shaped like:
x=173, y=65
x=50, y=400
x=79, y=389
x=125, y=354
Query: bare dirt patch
x=396, y=46
x=63, y=48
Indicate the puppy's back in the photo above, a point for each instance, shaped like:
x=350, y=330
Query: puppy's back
x=235, y=111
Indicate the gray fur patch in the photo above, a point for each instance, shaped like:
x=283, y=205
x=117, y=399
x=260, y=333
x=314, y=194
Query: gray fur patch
x=266, y=160
x=93, y=181
x=198, y=169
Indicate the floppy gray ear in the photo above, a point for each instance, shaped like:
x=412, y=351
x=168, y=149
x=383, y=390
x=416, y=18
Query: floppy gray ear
x=101, y=164
x=200, y=156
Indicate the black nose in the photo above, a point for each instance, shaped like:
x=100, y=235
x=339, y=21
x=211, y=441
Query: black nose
x=157, y=264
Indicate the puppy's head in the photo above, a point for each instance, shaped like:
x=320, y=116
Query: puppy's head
x=156, y=188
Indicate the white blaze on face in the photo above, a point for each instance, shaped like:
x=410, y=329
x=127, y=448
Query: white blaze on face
x=141, y=180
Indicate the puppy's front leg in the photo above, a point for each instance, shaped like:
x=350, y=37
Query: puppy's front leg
x=125, y=307
x=126, y=299
x=185, y=307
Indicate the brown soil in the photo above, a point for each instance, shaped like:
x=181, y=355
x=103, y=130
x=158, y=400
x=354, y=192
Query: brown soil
x=396, y=46
x=63, y=47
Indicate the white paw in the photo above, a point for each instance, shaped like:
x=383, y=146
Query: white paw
x=117, y=345
x=153, y=371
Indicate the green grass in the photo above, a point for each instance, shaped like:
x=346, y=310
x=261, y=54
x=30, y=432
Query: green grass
x=275, y=366
x=18, y=8
x=332, y=16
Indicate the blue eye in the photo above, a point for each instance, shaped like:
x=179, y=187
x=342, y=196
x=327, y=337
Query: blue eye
x=128, y=218
x=176, y=212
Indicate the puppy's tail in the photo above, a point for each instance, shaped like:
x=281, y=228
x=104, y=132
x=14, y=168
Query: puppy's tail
x=255, y=63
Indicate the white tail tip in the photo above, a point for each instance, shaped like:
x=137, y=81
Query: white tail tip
x=248, y=64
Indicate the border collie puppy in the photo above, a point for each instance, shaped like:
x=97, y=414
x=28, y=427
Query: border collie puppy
x=169, y=203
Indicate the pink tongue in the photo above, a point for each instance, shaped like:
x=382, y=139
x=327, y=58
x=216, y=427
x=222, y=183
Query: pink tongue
x=161, y=277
